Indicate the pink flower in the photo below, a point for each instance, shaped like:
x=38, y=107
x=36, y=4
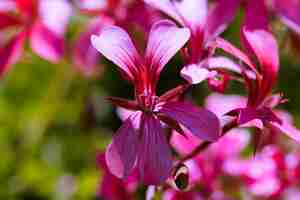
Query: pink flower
x=126, y=14
x=39, y=23
x=141, y=140
x=205, y=25
x=112, y=188
x=259, y=81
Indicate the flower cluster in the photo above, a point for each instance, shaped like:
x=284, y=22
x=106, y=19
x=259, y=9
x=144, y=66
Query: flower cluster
x=167, y=140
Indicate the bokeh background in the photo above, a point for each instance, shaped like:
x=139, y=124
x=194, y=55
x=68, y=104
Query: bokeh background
x=53, y=119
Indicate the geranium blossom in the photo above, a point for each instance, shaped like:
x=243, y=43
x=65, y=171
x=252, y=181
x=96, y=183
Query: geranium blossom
x=141, y=140
x=205, y=25
x=38, y=21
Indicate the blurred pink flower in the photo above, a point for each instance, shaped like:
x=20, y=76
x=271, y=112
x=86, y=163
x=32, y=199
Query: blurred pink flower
x=140, y=140
x=205, y=25
x=112, y=188
x=127, y=14
x=38, y=21
x=259, y=110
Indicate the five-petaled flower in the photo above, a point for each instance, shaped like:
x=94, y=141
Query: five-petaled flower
x=141, y=140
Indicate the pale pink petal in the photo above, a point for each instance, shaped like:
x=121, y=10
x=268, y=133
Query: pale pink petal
x=167, y=7
x=229, y=48
x=7, y=5
x=220, y=16
x=184, y=144
x=124, y=113
x=121, y=154
x=165, y=40
x=194, y=12
x=221, y=104
x=115, y=44
x=221, y=62
x=200, y=122
x=289, y=129
x=195, y=74
x=11, y=52
x=93, y=4
x=46, y=43
x=55, y=14
x=155, y=158
x=261, y=42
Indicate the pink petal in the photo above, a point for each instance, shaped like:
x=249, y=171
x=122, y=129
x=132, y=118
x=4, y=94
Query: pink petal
x=55, y=14
x=11, y=52
x=122, y=152
x=256, y=16
x=221, y=104
x=167, y=7
x=261, y=42
x=7, y=5
x=115, y=44
x=85, y=56
x=229, y=48
x=194, y=12
x=220, y=16
x=201, y=122
x=195, y=74
x=221, y=62
x=165, y=40
x=288, y=129
x=289, y=13
x=93, y=5
x=46, y=43
x=155, y=158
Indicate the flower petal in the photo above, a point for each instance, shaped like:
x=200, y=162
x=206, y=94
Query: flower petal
x=194, y=12
x=11, y=52
x=201, y=122
x=85, y=56
x=220, y=16
x=195, y=74
x=256, y=15
x=122, y=152
x=229, y=48
x=155, y=158
x=165, y=40
x=46, y=43
x=289, y=129
x=7, y=5
x=115, y=44
x=55, y=14
x=261, y=42
x=167, y=7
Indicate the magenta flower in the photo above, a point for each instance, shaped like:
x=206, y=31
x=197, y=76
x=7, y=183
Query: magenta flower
x=141, y=140
x=112, y=188
x=126, y=14
x=205, y=25
x=259, y=110
x=38, y=21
